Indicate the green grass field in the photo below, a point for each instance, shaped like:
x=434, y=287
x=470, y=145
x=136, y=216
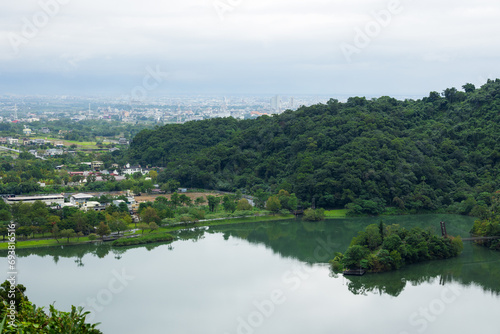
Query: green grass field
x=342, y=213
x=45, y=242
x=68, y=143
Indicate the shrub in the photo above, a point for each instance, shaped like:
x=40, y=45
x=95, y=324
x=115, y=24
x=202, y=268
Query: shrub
x=314, y=215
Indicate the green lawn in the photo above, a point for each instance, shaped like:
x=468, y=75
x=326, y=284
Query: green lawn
x=67, y=143
x=341, y=213
x=45, y=242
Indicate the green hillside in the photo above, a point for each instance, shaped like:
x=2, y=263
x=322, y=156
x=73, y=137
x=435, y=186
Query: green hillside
x=439, y=152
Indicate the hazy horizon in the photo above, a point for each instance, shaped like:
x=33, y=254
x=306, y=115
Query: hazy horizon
x=231, y=47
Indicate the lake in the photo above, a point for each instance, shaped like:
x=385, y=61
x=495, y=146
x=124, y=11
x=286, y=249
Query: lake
x=267, y=277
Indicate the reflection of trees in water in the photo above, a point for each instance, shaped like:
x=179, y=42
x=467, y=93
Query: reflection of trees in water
x=78, y=252
x=193, y=234
x=294, y=238
x=298, y=239
x=476, y=268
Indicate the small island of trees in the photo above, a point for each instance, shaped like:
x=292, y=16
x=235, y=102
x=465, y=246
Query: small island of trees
x=382, y=248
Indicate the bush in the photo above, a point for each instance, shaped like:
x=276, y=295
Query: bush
x=186, y=219
x=168, y=221
x=32, y=319
x=147, y=239
x=314, y=215
x=242, y=213
x=183, y=210
x=243, y=204
x=197, y=213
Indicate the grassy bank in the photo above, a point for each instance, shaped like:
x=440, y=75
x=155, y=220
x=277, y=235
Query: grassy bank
x=46, y=242
x=161, y=231
x=143, y=239
x=341, y=213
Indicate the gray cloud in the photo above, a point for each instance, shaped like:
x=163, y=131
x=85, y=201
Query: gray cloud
x=258, y=46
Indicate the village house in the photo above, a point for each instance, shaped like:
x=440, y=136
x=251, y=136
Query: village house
x=97, y=165
x=128, y=169
x=53, y=152
x=79, y=199
x=93, y=205
x=13, y=141
x=123, y=141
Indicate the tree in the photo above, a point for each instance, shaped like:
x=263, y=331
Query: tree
x=143, y=226
x=56, y=233
x=175, y=199
x=185, y=200
x=199, y=200
x=243, y=205
x=118, y=225
x=353, y=256
x=314, y=214
x=24, y=231
x=31, y=319
x=213, y=202
x=284, y=196
x=91, y=178
x=153, y=226
x=228, y=203
x=153, y=174
x=469, y=88
x=273, y=204
x=170, y=186
x=68, y=233
x=293, y=202
x=103, y=229
x=5, y=215
x=149, y=215
x=123, y=207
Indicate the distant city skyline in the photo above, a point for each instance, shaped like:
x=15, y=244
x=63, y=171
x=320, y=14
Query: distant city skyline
x=153, y=48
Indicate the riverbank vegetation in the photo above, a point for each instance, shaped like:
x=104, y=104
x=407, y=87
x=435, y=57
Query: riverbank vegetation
x=146, y=239
x=28, y=318
x=488, y=224
x=382, y=248
x=39, y=225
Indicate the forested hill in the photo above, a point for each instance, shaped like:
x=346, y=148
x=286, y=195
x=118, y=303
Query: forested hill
x=442, y=151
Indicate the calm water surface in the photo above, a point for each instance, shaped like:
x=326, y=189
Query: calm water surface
x=267, y=277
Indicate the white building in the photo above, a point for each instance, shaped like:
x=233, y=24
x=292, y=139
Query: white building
x=80, y=199
x=132, y=169
x=47, y=199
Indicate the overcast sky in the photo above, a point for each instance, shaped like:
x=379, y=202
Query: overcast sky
x=332, y=47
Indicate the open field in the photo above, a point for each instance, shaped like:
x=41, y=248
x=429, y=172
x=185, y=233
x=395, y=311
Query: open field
x=341, y=213
x=68, y=143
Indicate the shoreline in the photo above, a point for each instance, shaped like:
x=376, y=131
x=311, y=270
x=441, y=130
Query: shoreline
x=50, y=242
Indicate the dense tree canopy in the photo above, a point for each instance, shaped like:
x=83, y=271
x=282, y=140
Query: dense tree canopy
x=442, y=151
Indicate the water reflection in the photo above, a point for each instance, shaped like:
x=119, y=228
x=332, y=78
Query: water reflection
x=316, y=242
x=78, y=252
